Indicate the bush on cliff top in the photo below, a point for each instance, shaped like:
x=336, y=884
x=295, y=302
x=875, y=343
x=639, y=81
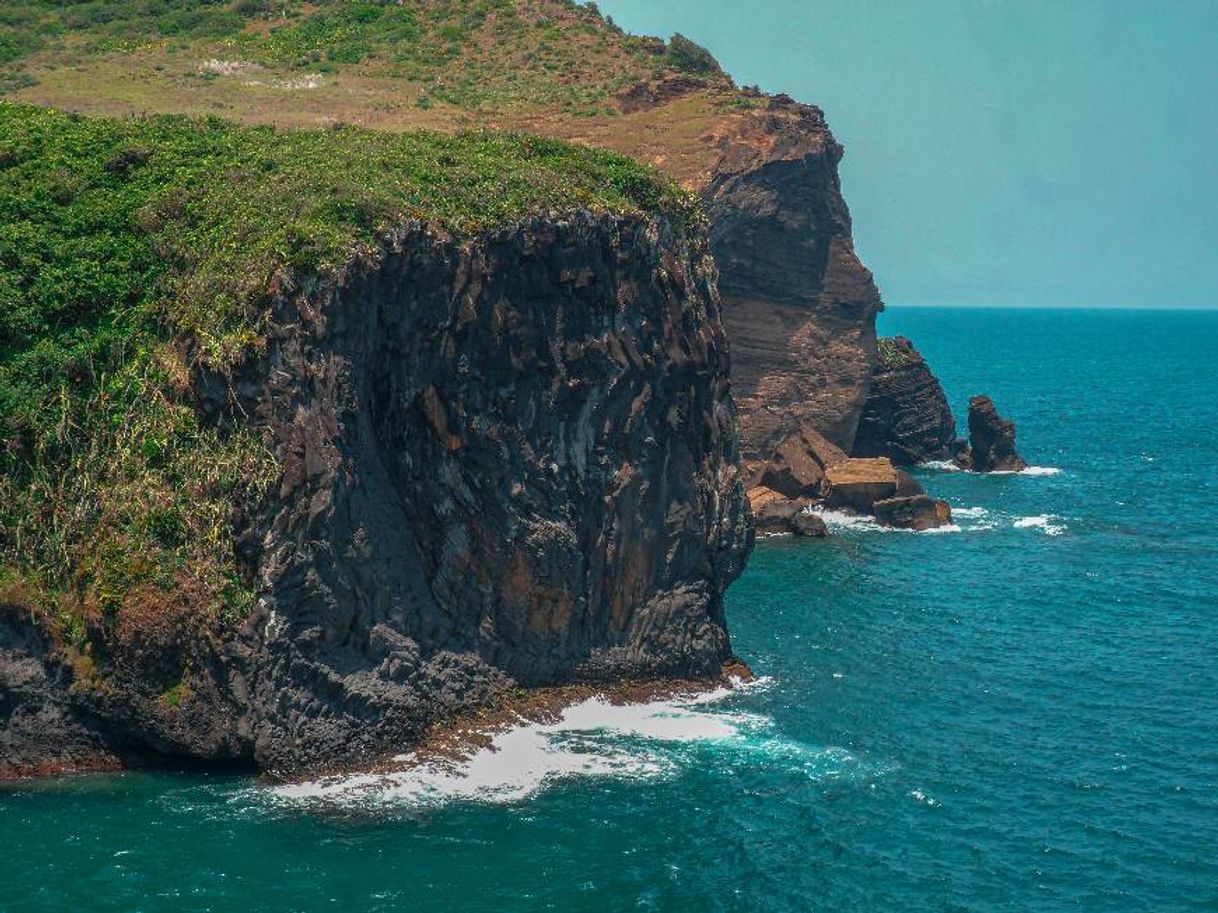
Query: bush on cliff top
x=127, y=245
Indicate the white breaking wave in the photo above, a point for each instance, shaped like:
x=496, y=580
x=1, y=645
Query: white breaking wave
x=970, y=513
x=941, y=466
x=949, y=466
x=593, y=738
x=1049, y=524
x=841, y=519
x=1028, y=471
x=838, y=520
x=1040, y=471
x=919, y=796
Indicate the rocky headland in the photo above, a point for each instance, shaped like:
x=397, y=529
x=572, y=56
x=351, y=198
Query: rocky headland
x=384, y=461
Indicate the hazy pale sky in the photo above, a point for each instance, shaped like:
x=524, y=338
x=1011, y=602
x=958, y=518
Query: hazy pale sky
x=1007, y=152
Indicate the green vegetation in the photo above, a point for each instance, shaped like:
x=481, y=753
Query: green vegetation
x=691, y=57
x=891, y=355
x=473, y=54
x=133, y=253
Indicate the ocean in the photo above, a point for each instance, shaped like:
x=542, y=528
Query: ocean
x=1018, y=713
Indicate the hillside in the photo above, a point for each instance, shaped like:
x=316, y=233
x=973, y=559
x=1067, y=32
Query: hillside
x=798, y=302
x=438, y=64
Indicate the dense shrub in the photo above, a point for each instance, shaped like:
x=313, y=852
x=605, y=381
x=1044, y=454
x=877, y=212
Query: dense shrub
x=691, y=57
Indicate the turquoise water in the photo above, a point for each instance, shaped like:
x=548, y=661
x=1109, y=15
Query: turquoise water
x=1019, y=715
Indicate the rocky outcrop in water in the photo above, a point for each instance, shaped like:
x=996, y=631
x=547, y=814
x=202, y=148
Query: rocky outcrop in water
x=906, y=416
x=796, y=468
x=775, y=514
x=874, y=486
x=991, y=443
x=917, y=512
x=506, y=461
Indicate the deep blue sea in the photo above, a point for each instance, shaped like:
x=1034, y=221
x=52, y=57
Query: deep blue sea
x=1021, y=714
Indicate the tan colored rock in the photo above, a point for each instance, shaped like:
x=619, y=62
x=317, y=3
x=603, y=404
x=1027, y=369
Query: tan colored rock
x=918, y=512
x=798, y=465
x=857, y=484
x=759, y=496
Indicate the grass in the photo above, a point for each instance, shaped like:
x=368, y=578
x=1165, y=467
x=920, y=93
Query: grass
x=891, y=355
x=135, y=252
x=472, y=54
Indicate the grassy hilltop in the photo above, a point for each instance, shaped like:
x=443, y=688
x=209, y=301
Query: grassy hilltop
x=551, y=67
x=133, y=250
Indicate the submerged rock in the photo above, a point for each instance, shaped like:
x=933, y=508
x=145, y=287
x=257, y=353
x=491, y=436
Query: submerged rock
x=918, y=512
x=906, y=416
x=991, y=440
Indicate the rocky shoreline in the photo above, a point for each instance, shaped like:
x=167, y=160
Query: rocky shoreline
x=456, y=739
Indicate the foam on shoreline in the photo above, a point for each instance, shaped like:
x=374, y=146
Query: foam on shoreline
x=590, y=738
x=949, y=466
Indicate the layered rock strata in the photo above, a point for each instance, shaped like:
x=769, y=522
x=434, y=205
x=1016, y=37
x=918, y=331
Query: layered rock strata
x=906, y=416
x=799, y=306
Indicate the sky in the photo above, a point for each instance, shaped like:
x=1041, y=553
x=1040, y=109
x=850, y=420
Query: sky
x=1000, y=152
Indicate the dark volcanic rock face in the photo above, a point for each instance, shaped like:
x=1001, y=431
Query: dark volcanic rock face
x=799, y=306
x=991, y=439
x=906, y=416
x=505, y=461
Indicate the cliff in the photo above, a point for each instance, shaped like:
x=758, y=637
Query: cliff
x=800, y=307
x=467, y=460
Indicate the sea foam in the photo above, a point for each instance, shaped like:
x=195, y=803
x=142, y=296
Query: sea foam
x=1049, y=524
x=949, y=466
x=592, y=738
x=840, y=520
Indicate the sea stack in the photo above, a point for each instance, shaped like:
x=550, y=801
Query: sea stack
x=991, y=446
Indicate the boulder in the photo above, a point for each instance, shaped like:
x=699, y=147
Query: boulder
x=797, y=466
x=915, y=512
x=772, y=513
x=759, y=496
x=806, y=523
x=857, y=484
x=991, y=439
